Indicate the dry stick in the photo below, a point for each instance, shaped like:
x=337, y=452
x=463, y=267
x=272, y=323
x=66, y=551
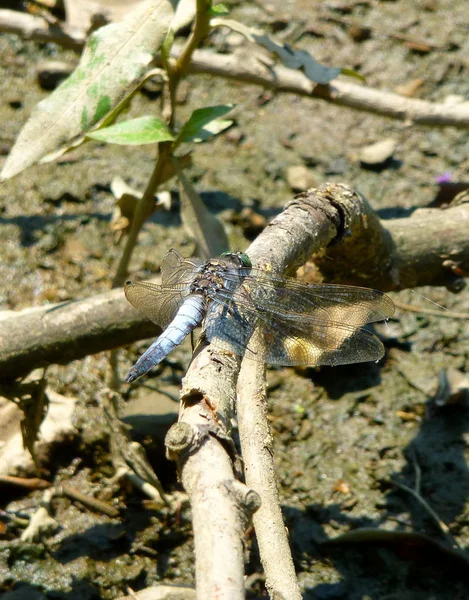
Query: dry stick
x=448, y=314
x=160, y=592
x=68, y=331
x=415, y=492
x=221, y=505
x=308, y=223
x=94, y=504
x=244, y=66
x=399, y=262
x=428, y=248
x=34, y=27
x=256, y=445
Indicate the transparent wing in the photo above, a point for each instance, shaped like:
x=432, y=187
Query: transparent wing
x=157, y=303
x=295, y=340
x=160, y=302
x=325, y=302
x=300, y=323
x=177, y=269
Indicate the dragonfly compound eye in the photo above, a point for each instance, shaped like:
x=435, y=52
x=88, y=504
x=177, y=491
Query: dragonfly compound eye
x=244, y=258
x=240, y=256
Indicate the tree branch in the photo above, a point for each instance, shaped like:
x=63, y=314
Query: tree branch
x=68, y=331
x=256, y=445
x=35, y=27
x=246, y=67
x=429, y=248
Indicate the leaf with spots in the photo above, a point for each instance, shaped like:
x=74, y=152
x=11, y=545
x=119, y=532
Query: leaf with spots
x=113, y=64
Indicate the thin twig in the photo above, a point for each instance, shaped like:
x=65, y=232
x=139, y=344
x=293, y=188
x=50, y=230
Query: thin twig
x=94, y=504
x=256, y=445
x=35, y=27
x=442, y=526
x=416, y=494
x=447, y=314
x=245, y=67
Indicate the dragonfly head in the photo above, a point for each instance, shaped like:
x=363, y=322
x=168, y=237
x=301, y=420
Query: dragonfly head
x=240, y=256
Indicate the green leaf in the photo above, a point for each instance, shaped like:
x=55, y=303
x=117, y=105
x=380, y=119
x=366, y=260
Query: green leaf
x=219, y=10
x=199, y=120
x=135, y=132
x=211, y=129
x=113, y=64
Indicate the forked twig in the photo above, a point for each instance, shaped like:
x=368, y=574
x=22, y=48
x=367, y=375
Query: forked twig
x=199, y=440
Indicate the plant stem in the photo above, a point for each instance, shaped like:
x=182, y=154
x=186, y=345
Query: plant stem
x=177, y=69
x=142, y=212
x=145, y=206
x=200, y=30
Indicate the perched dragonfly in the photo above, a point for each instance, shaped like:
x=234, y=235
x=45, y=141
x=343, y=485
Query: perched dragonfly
x=301, y=324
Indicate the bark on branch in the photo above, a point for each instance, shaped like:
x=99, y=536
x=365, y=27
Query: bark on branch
x=207, y=405
x=68, y=331
x=431, y=247
x=246, y=67
x=35, y=27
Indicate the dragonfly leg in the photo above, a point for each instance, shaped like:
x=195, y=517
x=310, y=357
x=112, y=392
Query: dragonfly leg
x=192, y=341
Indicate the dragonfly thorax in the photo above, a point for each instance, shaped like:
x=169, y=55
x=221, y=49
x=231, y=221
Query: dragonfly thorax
x=209, y=279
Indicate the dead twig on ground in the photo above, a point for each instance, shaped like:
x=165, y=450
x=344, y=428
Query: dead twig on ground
x=447, y=314
x=245, y=67
x=37, y=28
x=67, y=331
x=415, y=492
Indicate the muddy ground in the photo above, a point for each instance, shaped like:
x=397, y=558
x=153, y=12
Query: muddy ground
x=340, y=434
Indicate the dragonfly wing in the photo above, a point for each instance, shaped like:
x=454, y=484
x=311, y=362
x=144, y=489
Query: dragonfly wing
x=157, y=303
x=297, y=339
x=329, y=303
x=315, y=344
x=226, y=328
x=176, y=269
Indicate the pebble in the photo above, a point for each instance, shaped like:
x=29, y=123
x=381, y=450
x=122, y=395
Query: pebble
x=377, y=153
x=300, y=178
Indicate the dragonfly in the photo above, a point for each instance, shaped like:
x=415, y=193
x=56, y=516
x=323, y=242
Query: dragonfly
x=299, y=323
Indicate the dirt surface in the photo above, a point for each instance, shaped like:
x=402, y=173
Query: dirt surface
x=340, y=434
